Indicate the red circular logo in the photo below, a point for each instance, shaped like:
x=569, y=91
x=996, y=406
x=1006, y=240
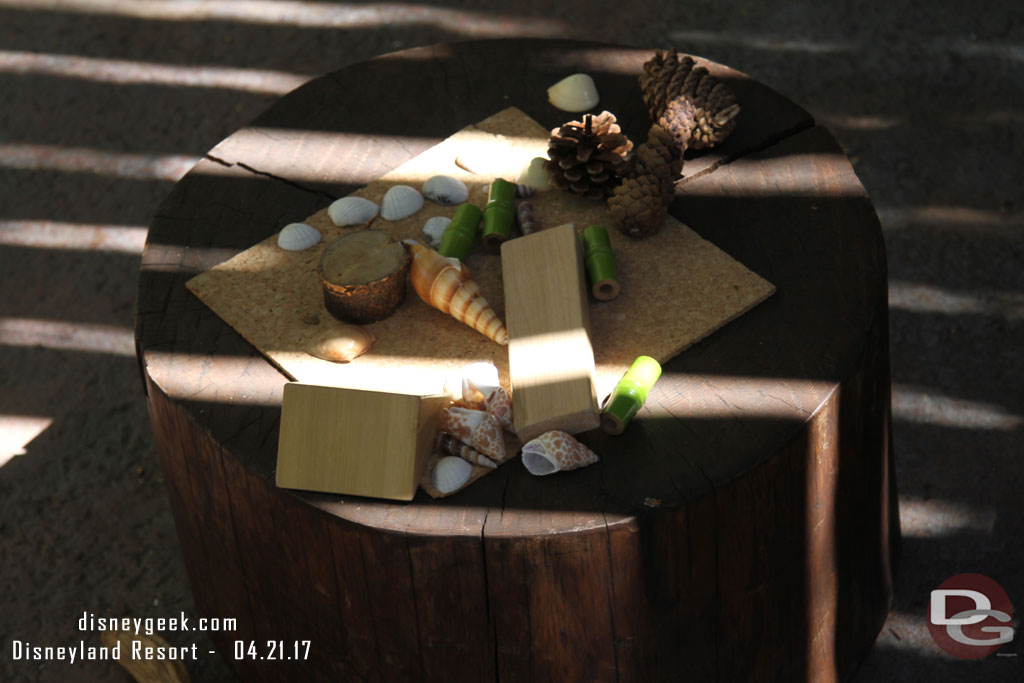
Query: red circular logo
x=970, y=616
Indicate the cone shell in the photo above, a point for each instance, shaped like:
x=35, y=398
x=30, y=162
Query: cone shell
x=574, y=93
x=352, y=211
x=445, y=190
x=446, y=443
x=341, y=343
x=401, y=201
x=556, y=451
x=475, y=428
x=499, y=404
x=450, y=473
x=298, y=236
x=447, y=285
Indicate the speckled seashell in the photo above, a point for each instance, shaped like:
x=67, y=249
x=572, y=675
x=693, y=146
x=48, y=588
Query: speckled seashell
x=556, y=451
x=446, y=443
x=476, y=428
x=298, y=236
x=401, y=201
x=352, y=211
x=450, y=473
x=445, y=190
x=499, y=404
x=434, y=229
x=574, y=93
x=524, y=217
x=524, y=190
x=341, y=343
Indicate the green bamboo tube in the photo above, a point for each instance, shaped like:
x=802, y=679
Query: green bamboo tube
x=629, y=394
x=600, y=261
x=458, y=237
x=499, y=214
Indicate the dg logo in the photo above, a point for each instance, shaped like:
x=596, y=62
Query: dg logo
x=970, y=616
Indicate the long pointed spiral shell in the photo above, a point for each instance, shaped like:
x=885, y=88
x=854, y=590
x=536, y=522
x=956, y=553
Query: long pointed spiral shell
x=448, y=286
x=446, y=443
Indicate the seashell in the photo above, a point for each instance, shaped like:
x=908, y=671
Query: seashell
x=341, y=343
x=446, y=443
x=445, y=190
x=556, y=451
x=434, y=228
x=298, y=236
x=524, y=190
x=478, y=381
x=524, y=217
x=574, y=93
x=352, y=211
x=401, y=201
x=447, y=285
x=534, y=177
x=450, y=473
x=499, y=404
x=475, y=428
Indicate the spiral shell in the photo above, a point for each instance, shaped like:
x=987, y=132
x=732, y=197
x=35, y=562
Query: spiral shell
x=499, y=404
x=450, y=473
x=401, y=201
x=475, y=428
x=447, y=285
x=298, y=236
x=446, y=443
x=445, y=190
x=352, y=211
x=556, y=451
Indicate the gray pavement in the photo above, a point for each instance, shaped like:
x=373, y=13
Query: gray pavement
x=104, y=104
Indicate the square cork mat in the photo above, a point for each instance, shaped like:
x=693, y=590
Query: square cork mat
x=677, y=288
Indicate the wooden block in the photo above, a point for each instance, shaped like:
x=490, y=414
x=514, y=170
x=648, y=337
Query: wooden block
x=365, y=443
x=550, y=357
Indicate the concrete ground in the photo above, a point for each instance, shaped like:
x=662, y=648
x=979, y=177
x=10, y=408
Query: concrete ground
x=104, y=104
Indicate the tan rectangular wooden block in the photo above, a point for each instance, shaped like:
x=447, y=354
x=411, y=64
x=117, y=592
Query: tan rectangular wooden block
x=366, y=443
x=550, y=357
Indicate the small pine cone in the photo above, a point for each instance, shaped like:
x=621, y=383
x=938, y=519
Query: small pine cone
x=637, y=207
x=589, y=157
x=668, y=76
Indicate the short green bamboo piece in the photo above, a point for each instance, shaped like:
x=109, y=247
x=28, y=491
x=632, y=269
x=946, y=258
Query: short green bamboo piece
x=499, y=214
x=600, y=262
x=629, y=394
x=458, y=237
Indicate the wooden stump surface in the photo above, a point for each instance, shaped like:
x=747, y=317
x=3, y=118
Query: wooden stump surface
x=753, y=486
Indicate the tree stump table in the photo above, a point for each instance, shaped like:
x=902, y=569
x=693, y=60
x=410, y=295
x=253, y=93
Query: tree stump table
x=742, y=529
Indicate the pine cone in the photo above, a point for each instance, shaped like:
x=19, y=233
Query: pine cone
x=639, y=205
x=667, y=77
x=588, y=157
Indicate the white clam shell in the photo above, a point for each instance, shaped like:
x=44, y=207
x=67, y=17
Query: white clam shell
x=298, y=236
x=401, y=201
x=352, y=211
x=434, y=229
x=445, y=190
x=534, y=177
x=450, y=473
x=574, y=93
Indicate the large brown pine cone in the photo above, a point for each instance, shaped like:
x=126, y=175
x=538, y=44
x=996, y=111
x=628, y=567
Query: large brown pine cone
x=669, y=76
x=588, y=157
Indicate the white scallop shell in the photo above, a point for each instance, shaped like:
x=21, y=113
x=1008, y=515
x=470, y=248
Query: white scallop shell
x=450, y=473
x=298, y=236
x=352, y=211
x=574, y=93
x=401, y=201
x=445, y=190
x=434, y=229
